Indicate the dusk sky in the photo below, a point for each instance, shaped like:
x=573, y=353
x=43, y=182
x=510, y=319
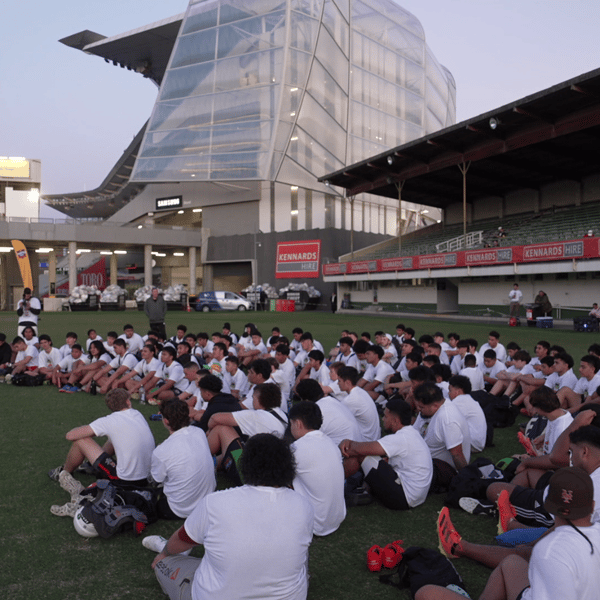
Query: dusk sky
x=77, y=113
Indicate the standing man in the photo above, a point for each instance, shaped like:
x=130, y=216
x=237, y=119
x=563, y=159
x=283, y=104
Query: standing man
x=28, y=310
x=156, y=309
x=515, y=296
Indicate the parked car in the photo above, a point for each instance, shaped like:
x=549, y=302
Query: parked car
x=207, y=301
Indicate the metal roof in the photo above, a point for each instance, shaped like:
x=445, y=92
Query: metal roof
x=548, y=136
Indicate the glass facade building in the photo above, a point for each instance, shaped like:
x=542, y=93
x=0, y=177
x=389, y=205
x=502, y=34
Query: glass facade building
x=285, y=91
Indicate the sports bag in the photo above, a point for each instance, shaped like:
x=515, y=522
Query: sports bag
x=28, y=380
x=423, y=566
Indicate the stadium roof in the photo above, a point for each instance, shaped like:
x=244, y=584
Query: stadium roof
x=548, y=136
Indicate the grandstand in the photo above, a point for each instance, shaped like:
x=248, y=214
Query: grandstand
x=557, y=223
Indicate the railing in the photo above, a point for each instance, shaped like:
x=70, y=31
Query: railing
x=474, y=238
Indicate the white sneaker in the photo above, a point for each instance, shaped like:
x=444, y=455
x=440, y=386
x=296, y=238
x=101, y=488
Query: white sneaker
x=66, y=510
x=156, y=543
x=68, y=483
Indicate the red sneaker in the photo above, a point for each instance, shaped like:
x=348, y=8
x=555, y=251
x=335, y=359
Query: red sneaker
x=375, y=558
x=448, y=536
x=506, y=511
x=526, y=443
x=391, y=556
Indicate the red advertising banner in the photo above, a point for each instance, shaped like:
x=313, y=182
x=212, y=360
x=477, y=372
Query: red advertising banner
x=93, y=275
x=297, y=260
x=569, y=250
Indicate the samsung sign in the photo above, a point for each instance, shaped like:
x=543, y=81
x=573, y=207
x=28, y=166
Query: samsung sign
x=169, y=203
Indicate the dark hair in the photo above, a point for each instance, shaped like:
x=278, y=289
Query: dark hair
x=566, y=358
x=269, y=394
x=46, y=337
x=513, y=346
x=112, y=334
x=489, y=354
x=431, y=359
x=99, y=346
x=116, y=399
x=470, y=360
x=233, y=359
x=426, y=339
x=442, y=371
x=545, y=399
x=421, y=373
x=202, y=336
x=346, y=340
x=298, y=330
x=255, y=332
x=76, y=347
x=428, y=393
x=316, y=355
x=18, y=339
x=461, y=382
x=494, y=334
x=349, y=374
x=586, y=435
x=128, y=326
x=594, y=349
x=211, y=383
x=261, y=367
x=547, y=360
x=590, y=359
x=170, y=350
x=377, y=350
x=544, y=344
x=307, y=335
x=401, y=409
x=309, y=389
x=400, y=326
x=283, y=349
x=90, y=331
x=410, y=331
x=71, y=334
x=222, y=346
x=365, y=334
x=176, y=412
x=522, y=355
x=181, y=328
x=267, y=461
x=308, y=413
x=454, y=335
x=415, y=357
x=361, y=346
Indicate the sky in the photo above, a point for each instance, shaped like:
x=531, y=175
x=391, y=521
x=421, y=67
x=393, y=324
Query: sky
x=77, y=114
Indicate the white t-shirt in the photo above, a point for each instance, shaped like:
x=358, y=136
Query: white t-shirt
x=98, y=338
x=446, y=429
x=587, y=388
x=143, y=367
x=409, y=456
x=500, y=351
x=321, y=375
x=132, y=440
x=134, y=343
x=256, y=543
x=473, y=413
x=174, y=372
x=338, y=421
x=239, y=382
x=127, y=360
x=493, y=370
x=350, y=361
x=28, y=316
x=320, y=479
x=184, y=465
x=475, y=377
x=515, y=295
x=30, y=351
x=48, y=360
x=378, y=372
x=66, y=364
x=363, y=408
x=562, y=565
x=554, y=429
x=252, y=422
x=289, y=371
x=556, y=382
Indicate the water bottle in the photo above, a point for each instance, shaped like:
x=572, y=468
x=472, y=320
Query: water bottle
x=93, y=385
x=142, y=395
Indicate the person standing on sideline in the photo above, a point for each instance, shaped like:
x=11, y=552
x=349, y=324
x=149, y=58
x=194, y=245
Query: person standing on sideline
x=515, y=296
x=156, y=309
x=333, y=300
x=28, y=310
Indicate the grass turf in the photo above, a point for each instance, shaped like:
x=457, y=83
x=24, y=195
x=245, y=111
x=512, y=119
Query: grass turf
x=42, y=555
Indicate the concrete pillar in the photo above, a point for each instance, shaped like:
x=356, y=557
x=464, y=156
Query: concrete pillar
x=72, y=266
x=113, y=269
x=52, y=273
x=148, y=264
x=192, y=271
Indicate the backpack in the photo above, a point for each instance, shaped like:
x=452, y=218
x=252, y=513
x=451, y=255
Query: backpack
x=423, y=566
x=28, y=380
x=472, y=481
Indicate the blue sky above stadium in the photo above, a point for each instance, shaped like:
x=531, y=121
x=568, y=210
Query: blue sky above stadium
x=77, y=113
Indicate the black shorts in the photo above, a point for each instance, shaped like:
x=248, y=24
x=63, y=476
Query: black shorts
x=529, y=504
x=385, y=487
x=105, y=467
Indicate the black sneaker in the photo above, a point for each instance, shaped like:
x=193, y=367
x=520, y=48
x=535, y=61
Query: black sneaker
x=54, y=473
x=85, y=467
x=358, y=497
x=475, y=507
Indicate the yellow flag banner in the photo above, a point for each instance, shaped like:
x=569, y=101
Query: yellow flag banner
x=24, y=265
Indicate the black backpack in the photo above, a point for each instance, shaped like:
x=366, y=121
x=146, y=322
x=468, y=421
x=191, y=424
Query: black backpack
x=423, y=566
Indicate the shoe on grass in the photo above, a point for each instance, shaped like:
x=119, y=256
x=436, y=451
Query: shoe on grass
x=475, y=507
x=156, y=543
x=85, y=467
x=66, y=510
x=374, y=558
x=68, y=483
x=448, y=536
x=506, y=512
x=392, y=555
x=55, y=473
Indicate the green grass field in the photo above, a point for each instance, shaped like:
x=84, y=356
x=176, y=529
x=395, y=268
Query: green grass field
x=42, y=555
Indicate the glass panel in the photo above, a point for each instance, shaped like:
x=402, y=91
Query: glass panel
x=344, y=7
x=320, y=126
x=172, y=169
x=311, y=155
x=189, y=81
x=290, y=103
x=248, y=70
x=250, y=35
x=311, y=8
x=328, y=93
x=201, y=16
x=297, y=69
x=336, y=25
x=332, y=59
x=303, y=34
x=172, y=143
x=195, y=48
x=249, y=165
x=414, y=78
x=234, y=10
x=177, y=114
